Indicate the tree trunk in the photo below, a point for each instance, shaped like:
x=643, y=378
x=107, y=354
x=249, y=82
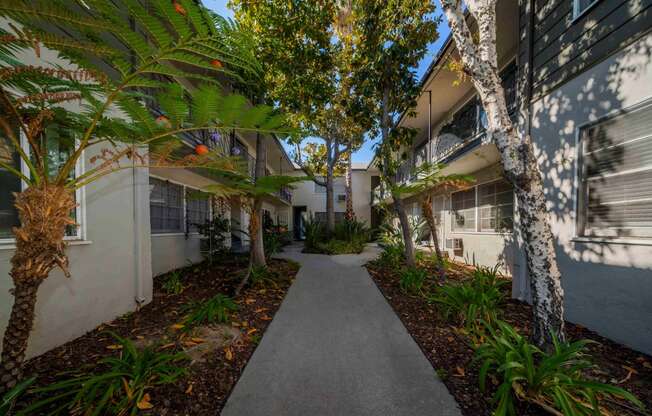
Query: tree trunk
x=44, y=214
x=519, y=164
x=399, y=207
x=330, y=200
x=256, y=244
x=426, y=209
x=349, y=214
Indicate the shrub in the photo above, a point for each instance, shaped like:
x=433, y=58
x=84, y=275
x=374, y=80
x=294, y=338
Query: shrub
x=215, y=310
x=412, y=280
x=9, y=398
x=392, y=255
x=315, y=233
x=118, y=387
x=351, y=230
x=172, y=283
x=552, y=380
x=272, y=243
x=474, y=301
x=215, y=233
x=261, y=275
x=354, y=246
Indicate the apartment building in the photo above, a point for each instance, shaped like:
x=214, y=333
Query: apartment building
x=578, y=79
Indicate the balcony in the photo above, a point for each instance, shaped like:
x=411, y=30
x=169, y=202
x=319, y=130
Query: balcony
x=285, y=194
x=378, y=195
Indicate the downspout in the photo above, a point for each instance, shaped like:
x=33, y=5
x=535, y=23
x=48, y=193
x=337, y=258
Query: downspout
x=140, y=290
x=429, y=151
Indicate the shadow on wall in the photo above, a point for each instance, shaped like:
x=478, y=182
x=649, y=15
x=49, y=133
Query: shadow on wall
x=607, y=285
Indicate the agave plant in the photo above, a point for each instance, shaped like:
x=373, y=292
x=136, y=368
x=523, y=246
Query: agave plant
x=121, y=63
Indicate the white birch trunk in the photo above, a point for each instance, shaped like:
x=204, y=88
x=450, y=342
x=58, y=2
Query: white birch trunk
x=518, y=160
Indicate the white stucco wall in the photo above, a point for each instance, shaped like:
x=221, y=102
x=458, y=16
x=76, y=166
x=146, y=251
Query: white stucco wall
x=305, y=195
x=607, y=285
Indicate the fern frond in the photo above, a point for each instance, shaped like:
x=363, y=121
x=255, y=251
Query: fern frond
x=173, y=103
x=232, y=108
x=49, y=12
x=159, y=34
x=178, y=22
x=206, y=103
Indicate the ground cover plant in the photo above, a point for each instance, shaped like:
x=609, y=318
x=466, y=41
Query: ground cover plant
x=207, y=382
x=575, y=370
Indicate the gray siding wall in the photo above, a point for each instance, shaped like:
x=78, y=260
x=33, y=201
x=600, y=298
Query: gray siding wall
x=607, y=284
x=561, y=46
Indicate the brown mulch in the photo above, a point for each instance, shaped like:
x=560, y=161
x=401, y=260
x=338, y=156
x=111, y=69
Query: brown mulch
x=451, y=355
x=205, y=390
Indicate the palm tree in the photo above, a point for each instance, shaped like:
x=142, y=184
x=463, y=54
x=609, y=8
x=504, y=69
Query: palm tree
x=122, y=65
x=430, y=178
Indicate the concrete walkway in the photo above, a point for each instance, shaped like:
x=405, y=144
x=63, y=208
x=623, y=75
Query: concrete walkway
x=335, y=347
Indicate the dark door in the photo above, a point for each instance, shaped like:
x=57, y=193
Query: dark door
x=299, y=215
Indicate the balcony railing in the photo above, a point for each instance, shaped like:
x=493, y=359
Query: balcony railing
x=285, y=194
x=378, y=194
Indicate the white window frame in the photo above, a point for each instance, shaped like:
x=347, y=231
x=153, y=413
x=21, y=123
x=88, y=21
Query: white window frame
x=577, y=238
x=185, y=212
x=577, y=13
x=450, y=229
x=80, y=194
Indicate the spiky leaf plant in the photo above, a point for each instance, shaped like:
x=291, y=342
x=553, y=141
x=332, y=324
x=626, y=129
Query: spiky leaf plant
x=129, y=79
x=118, y=386
x=556, y=381
x=217, y=309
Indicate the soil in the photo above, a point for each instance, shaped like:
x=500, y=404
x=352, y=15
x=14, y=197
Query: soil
x=210, y=380
x=448, y=349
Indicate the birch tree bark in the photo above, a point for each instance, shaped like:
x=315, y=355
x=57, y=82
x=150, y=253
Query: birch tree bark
x=519, y=163
x=256, y=245
x=426, y=210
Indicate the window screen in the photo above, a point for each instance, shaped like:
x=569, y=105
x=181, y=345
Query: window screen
x=9, y=183
x=463, y=207
x=197, y=209
x=496, y=206
x=615, y=176
x=166, y=206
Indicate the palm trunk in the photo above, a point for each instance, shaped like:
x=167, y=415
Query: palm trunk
x=426, y=209
x=349, y=214
x=44, y=215
x=519, y=164
x=399, y=207
x=330, y=201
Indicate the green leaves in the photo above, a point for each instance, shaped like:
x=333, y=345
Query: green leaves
x=554, y=380
x=217, y=309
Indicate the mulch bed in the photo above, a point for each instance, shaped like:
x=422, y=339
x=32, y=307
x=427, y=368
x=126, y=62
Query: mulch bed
x=451, y=355
x=205, y=390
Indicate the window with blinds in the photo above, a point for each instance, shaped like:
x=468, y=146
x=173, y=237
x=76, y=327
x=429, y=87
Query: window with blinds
x=463, y=208
x=166, y=207
x=496, y=207
x=197, y=209
x=615, y=176
x=9, y=183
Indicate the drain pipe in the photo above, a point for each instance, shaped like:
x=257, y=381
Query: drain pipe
x=140, y=295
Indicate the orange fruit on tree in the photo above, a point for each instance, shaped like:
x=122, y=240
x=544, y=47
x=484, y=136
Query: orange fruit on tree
x=217, y=63
x=179, y=8
x=201, y=149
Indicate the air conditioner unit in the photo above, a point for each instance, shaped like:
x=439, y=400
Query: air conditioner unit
x=454, y=244
x=341, y=198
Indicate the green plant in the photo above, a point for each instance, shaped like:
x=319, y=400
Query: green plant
x=173, y=284
x=118, y=386
x=353, y=246
x=215, y=233
x=261, y=275
x=9, y=398
x=555, y=381
x=351, y=230
x=474, y=301
x=413, y=279
x=315, y=233
x=392, y=255
x=272, y=243
x=217, y=309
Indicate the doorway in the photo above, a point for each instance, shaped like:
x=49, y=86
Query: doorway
x=299, y=215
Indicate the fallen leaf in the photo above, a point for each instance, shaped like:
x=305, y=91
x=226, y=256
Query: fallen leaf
x=228, y=354
x=197, y=340
x=251, y=331
x=259, y=310
x=114, y=347
x=450, y=339
x=189, y=389
x=177, y=326
x=249, y=301
x=245, y=324
x=266, y=318
x=172, y=344
x=460, y=371
x=144, y=403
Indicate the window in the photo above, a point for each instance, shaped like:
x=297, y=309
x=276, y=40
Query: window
x=9, y=183
x=166, y=207
x=496, y=206
x=491, y=203
x=463, y=207
x=197, y=209
x=58, y=147
x=615, y=176
x=580, y=6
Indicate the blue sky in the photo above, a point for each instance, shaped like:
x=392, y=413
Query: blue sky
x=366, y=152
